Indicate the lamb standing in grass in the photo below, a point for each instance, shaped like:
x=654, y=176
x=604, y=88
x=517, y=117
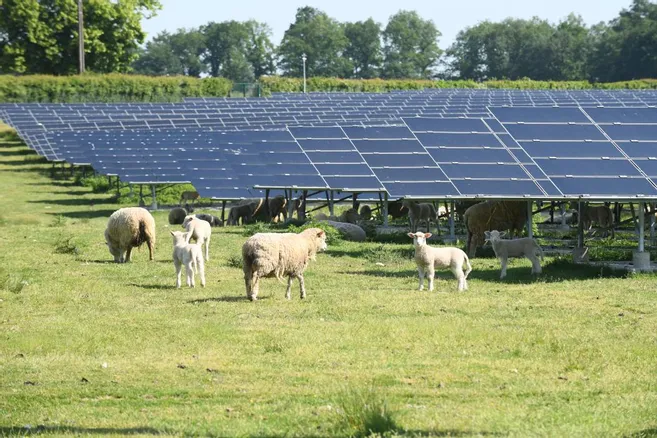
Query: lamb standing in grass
x=525, y=247
x=278, y=255
x=128, y=228
x=429, y=258
x=190, y=255
x=200, y=231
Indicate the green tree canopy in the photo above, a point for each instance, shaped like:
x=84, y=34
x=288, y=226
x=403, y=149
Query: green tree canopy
x=410, y=46
x=323, y=41
x=173, y=54
x=41, y=36
x=364, y=48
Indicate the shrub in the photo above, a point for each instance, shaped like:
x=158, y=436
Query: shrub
x=363, y=413
x=66, y=245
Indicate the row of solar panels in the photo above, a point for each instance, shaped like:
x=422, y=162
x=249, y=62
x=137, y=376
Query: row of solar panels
x=535, y=152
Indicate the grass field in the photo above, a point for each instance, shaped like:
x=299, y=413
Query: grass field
x=89, y=347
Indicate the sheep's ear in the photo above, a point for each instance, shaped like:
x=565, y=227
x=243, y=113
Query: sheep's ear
x=411, y=235
x=502, y=233
x=427, y=235
x=321, y=233
x=487, y=234
x=171, y=233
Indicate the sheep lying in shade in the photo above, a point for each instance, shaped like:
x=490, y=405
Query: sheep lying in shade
x=428, y=258
x=214, y=221
x=492, y=215
x=128, y=228
x=525, y=247
x=420, y=212
x=365, y=212
x=177, y=215
x=200, y=231
x=189, y=255
x=278, y=255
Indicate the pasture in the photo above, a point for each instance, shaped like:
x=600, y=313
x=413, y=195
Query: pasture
x=92, y=347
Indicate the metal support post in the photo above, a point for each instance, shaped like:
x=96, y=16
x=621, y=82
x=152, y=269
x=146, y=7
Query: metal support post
x=330, y=203
x=301, y=211
x=652, y=224
x=290, y=206
x=223, y=212
x=552, y=212
x=385, y=210
x=562, y=209
x=580, y=226
x=642, y=226
x=530, y=231
x=354, y=201
x=154, y=196
x=452, y=212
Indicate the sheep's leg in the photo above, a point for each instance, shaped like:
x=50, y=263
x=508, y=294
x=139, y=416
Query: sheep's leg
x=201, y=270
x=151, y=250
x=127, y=254
x=503, y=261
x=536, y=264
x=247, y=282
x=207, y=249
x=255, y=285
x=460, y=277
x=420, y=274
x=178, y=266
x=288, y=292
x=190, y=274
x=431, y=272
x=302, y=286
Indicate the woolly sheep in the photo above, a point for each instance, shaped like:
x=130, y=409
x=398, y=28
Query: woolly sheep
x=365, y=213
x=214, y=221
x=397, y=210
x=278, y=255
x=419, y=212
x=200, y=231
x=350, y=216
x=189, y=196
x=177, y=215
x=524, y=247
x=277, y=207
x=245, y=210
x=493, y=215
x=128, y=228
x=189, y=255
x=427, y=258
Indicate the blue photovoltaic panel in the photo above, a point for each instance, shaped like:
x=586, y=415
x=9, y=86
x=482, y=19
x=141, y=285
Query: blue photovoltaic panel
x=356, y=133
x=601, y=187
x=343, y=169
x=407, y=146
x=535, y=171
x=470, y=155
x=554, y=132
x=512, y=188
x=570, y=149
x=445, y=139
x=398, y=160
x=631, y=132
x=587, y=167
x=335, y=157
x=393, y=174
x=542, y=115
x=326, y=145
x=303, y=132
x=639, y=150
x=484, y=171
x=649, y=167
x=420, y=189
x=445, y=125
x=623, y=115
x=354, y=183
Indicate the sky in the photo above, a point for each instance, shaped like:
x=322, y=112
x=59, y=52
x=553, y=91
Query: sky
x=449, y=16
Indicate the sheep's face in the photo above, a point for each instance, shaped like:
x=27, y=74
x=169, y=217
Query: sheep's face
x=494, y=236
x=188, y=219
x=321, y=241
x=419, y=238
x=179, y=238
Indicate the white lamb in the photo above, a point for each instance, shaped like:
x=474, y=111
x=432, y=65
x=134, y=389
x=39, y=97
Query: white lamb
x=429, y=258
x=525, y=247
x=190, y=255
x=199, y=230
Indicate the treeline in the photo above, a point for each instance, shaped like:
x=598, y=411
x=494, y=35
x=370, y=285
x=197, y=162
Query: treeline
x=40, y=37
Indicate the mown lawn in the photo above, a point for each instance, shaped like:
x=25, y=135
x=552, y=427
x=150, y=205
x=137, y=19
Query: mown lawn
x=92, y=347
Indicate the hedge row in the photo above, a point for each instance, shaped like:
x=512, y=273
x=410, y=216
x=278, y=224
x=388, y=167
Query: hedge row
x=133, y=88
x=108, y=88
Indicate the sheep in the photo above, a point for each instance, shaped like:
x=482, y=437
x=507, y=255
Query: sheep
x=245, y=210
x=397, y=210
x=492, y=215
x=177, y=215
x=189, y=255
x=278, y=255
x=200, y=231
x=189, y=196
x=420, y=212
x=277, y=207
x=504, y=249
x=601, y=215
x=128, y=228
x=428, y=258
x=365, y=213
x=350, y=216
x=214, y=221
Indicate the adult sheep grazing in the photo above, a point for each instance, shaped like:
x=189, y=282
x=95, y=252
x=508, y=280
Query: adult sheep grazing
x=493, y=215
x=189, y=255
x=601, y=215
x=200, y=231
x=189, y=196
x=245, y=210
x=214, y=221
x=128, y=228
x=428, y=258
x=278, y=255
x=419, y=212
x=177, y=215
x=397, y=210
x=525, y=247
x=365, y=212
x=277, y=207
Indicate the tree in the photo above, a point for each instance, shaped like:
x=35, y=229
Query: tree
x=173, y=54
x=259, y=48
x=410, y=46
x=41, y=36
x=364, y=48
x=323, y=41
x=225, y=50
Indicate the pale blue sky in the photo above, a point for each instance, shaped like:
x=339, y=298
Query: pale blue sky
x=449, y=16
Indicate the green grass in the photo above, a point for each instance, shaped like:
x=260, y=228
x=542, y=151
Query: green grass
x=92, y=347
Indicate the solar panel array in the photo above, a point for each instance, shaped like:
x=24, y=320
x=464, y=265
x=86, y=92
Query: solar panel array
x=423, y=144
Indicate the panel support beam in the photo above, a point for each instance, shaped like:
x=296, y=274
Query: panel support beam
x=154, y=196
x=385, y=210
x=452, y=212
x=642, y=226
x=530, y=231
x=330, y=202
x=580, y=226
x=652, y=224
x=223, y=212
x=562, y=209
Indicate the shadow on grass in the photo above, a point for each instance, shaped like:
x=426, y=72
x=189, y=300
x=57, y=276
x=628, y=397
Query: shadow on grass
x=448, y=432
x=645, y=433
x=155, y=286
x=553, y=272
x=58, y=430
x=59, y=183
x=89, y=214
x=78, y=201
x=15, y=152
x=227, y=299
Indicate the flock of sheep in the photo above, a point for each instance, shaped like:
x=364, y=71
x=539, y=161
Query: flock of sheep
x=283, y=255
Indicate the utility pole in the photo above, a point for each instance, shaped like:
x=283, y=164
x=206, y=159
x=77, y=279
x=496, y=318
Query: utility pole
x=303, y=58
x=80, y=37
